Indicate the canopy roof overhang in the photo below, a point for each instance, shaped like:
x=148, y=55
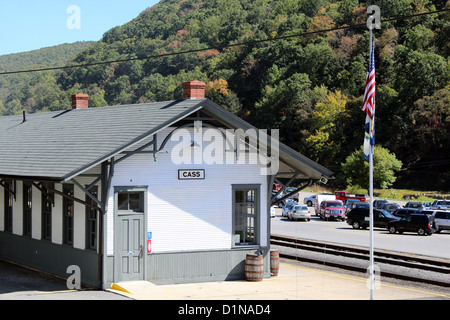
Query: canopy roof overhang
x=58, y=146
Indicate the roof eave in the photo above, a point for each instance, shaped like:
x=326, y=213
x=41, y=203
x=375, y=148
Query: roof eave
x=286, y=153
x=133, y=142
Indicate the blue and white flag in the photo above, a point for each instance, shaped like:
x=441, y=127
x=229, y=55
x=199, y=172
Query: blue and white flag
x=369, y=136
x=369, y=107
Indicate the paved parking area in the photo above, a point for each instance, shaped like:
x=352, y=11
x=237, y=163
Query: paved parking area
x=295, y=282
x=19, y=283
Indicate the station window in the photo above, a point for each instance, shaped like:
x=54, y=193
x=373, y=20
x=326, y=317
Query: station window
x=68, y=214
x=91, y=221
x=9, y=198
x=246, y=214
x=27, y=196
x=48, y=199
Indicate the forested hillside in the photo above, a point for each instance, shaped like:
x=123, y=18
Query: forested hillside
x=309, y=87
x=33, y=91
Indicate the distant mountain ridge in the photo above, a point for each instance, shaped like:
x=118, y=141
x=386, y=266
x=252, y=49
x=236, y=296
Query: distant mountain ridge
x=21, y=91
x=42, y=58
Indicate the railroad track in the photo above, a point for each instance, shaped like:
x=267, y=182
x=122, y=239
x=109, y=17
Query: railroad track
x=393, y=265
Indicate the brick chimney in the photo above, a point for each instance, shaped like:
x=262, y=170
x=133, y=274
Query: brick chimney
x=80, y=101
x=194, y=89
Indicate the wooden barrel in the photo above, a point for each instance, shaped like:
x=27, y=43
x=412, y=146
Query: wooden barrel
x=254, y=267
x=274, y=262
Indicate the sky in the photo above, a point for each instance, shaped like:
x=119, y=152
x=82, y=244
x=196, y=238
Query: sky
x=27, y=25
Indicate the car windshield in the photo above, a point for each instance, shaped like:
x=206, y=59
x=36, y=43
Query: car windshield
x=362, y=205
x=415, y=205
x=443, y=203
x=300, y=208
x=333, y=204
x=386, y=214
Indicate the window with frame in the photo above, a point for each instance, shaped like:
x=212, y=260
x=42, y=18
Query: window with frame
x=9, y=198
x=27, y=204
x=68, y=208
x=91, y=221
x=130, y=201
x=246, y=214
x=48, y=199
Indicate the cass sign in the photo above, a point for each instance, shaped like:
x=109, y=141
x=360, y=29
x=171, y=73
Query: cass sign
x=191, y=174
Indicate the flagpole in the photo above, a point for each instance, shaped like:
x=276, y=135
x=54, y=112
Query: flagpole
x=371, y=268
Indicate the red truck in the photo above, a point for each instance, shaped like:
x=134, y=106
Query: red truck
x=344, y=195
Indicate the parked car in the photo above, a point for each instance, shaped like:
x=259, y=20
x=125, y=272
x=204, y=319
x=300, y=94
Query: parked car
x=442, y=220
x=379, y=203
x=349, y=202
x=322, y=197
x=299, y=212
x=272, y=212
x=404, y=212
x=310, y=201
x=440, y=205
x=281, y=203
x=359, y=218
x=332, y=209
x=293, y=197
x=421, y=223
x=344, y=195
x=357, y=205
x=287, y=207
x=390, y=207
x=427, y=205
x=415, y=205
x=276, y=187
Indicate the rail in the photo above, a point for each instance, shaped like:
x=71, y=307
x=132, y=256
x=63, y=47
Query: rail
x=394, y=265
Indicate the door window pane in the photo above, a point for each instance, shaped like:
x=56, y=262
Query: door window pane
x=134, y=199
x=130, y=201
x=122, y=201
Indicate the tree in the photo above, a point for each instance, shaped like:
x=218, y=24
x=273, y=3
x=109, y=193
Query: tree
x=431, y=120
x=419, y=74
x=326, y=136
x=288, y=103
x=419, y=37
x=355, y=170
x=218, y=91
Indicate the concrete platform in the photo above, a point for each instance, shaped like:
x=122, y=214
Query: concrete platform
x=293, y=282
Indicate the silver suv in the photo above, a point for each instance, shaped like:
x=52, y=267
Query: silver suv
x=443, y=220
x=440, y=205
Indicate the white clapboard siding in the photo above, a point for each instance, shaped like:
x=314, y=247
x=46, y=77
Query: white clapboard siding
x=186, y=215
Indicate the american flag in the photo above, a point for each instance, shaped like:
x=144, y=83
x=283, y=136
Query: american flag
x=369, y=107
x=369, y=90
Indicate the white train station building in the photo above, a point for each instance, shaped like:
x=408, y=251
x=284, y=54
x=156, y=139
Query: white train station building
x=169, y=192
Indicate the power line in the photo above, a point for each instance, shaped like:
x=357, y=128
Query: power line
x=220, y=47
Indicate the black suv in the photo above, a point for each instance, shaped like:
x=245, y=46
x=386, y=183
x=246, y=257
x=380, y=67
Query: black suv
x=421, y=223
x=357, y=218
x=402, y=212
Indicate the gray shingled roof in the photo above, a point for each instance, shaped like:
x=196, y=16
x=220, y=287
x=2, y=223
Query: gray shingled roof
x=58, y=145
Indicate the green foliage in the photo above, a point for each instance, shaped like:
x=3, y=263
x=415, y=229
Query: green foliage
x=326, y=136
x=355, y=170
x=310, y=88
